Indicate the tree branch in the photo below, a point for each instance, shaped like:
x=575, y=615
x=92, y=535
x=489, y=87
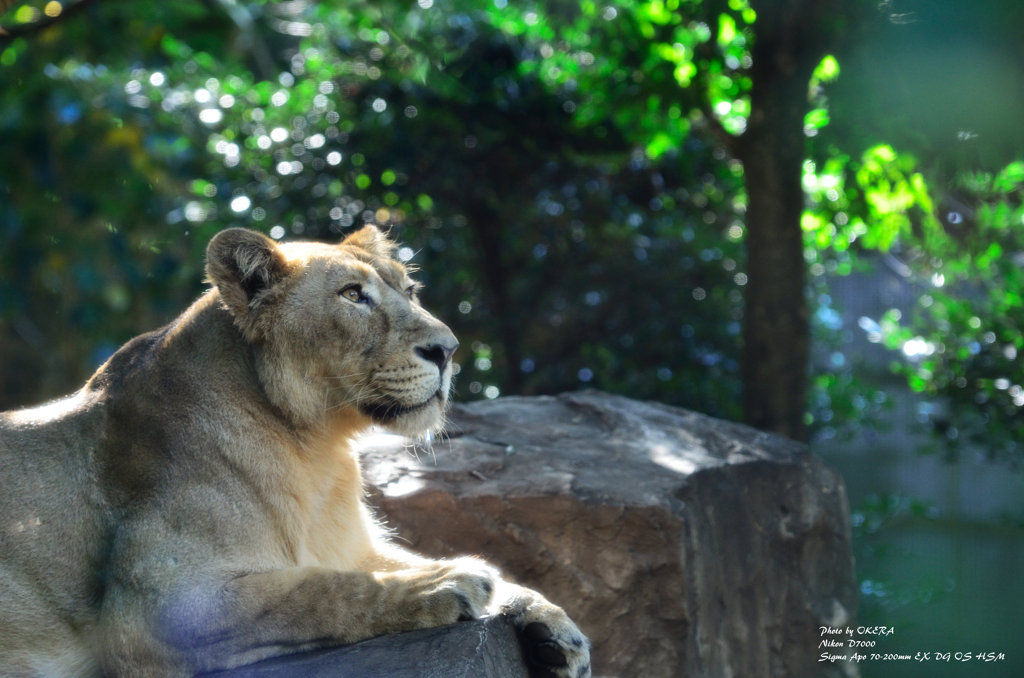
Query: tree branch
x=714, y=126
x=250, y=37
x=703, y=54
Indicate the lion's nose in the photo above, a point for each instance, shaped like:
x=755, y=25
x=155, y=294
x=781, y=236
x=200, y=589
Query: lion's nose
x=439, y=354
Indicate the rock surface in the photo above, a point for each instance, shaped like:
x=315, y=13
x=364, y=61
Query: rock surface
x=682, y=545
x=486, y=648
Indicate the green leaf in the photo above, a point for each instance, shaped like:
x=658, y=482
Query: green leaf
x=726, y=30
x=684, y=73
x=659, y=145
x=1011, y=178
x=827, y=69
x=817, y=118
x=174, y=48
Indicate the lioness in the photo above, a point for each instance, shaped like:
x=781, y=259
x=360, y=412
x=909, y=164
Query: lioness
x=197, y=504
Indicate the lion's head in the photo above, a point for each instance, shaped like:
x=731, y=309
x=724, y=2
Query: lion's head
x=336, y=329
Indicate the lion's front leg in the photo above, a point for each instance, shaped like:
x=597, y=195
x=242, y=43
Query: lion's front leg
x=553, y=644
x=358, y=605
x=264, y=614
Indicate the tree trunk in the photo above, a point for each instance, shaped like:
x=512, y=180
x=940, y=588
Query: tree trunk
x=775, y=339
x=775, y=358
x=487, y=228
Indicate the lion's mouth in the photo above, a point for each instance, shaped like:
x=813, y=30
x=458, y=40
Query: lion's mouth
x=388, y=410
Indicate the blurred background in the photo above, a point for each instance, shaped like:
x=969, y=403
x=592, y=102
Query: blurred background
x=803, y=215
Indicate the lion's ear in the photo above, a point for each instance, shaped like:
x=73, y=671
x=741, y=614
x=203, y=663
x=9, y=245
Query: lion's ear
x=245, y=266
x=373, y=240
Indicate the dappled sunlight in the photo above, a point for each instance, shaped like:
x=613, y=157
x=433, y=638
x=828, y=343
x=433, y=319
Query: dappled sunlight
x=43, y=414
x=663, y=455
x=396, y=458
x=442, y=119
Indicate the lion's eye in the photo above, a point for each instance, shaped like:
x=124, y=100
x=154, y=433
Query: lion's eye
x=354, y=293
x=410, y=291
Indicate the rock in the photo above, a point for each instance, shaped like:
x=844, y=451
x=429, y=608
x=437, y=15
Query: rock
x=486, y=648
x=682, y=545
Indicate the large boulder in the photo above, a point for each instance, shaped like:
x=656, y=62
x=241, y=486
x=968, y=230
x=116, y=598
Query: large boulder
x=682, y=545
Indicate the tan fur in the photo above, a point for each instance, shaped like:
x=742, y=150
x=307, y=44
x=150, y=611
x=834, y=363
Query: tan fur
x=197, y=506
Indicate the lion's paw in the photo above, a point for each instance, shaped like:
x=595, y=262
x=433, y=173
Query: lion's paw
x=457, y=590
x=472, y=583
x=554, y=646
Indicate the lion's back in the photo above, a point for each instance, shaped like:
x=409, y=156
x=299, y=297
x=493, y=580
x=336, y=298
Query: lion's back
x=52, y=532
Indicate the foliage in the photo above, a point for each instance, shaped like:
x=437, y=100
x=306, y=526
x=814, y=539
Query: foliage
x=960, y=248
x=349, y=131
x=560, y=172
x=961, y=344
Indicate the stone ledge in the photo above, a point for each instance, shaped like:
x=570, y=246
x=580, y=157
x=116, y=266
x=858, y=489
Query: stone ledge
x=486, y=648
x=682, y=545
